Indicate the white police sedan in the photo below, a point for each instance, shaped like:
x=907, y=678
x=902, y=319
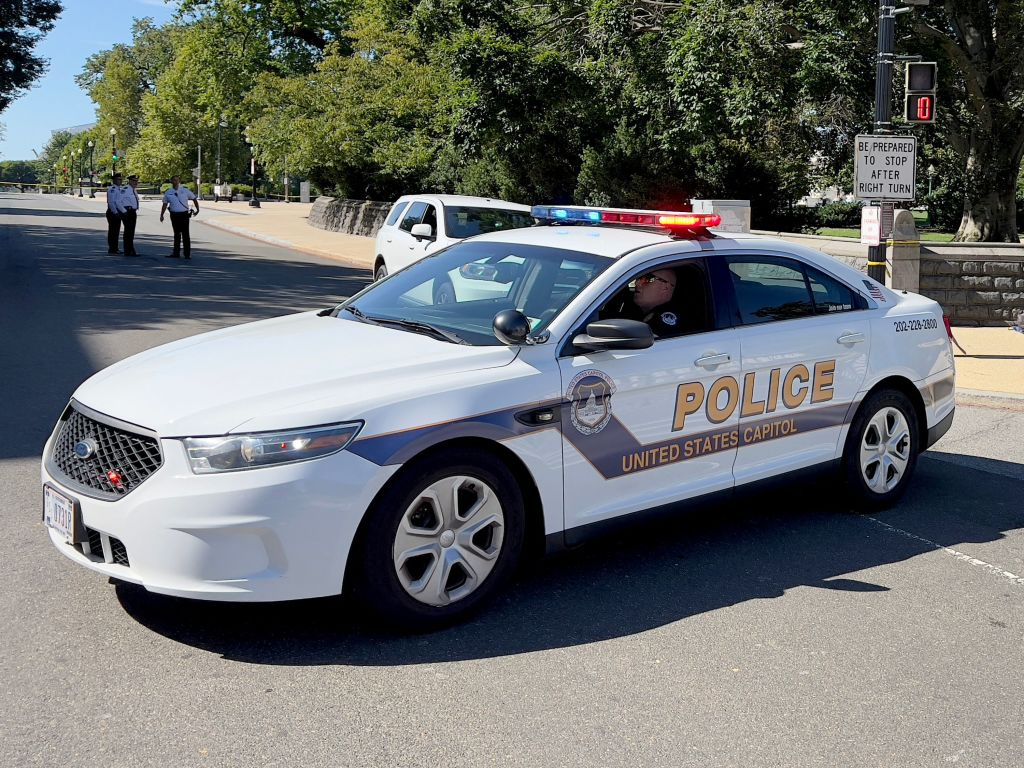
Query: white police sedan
x=410, y=451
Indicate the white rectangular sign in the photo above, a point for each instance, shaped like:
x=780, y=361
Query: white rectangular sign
x=871, y=225
x=885, y=167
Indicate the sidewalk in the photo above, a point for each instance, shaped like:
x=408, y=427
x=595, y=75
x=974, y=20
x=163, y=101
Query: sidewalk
x=286, y=224
x=992, y=362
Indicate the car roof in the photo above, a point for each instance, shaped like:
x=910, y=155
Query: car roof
x=468, y=200
x=611, y=242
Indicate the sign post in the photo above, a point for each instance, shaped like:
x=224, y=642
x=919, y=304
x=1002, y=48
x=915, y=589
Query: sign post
x=885, y=170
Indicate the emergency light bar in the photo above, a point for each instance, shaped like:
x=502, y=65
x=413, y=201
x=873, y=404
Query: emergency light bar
x=674, y=221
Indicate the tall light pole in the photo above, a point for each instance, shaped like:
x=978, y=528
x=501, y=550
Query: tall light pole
x=221, y=124
x=254, y=201
x=55, y=178
x=92, y=169
x=113, y=151
x=80, y=172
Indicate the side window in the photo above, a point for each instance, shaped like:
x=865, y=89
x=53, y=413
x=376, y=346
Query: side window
x=830, y=295
x=396, y=211
x=413, y=216
x=430, y=217
x=769, y=289
x=675, y=299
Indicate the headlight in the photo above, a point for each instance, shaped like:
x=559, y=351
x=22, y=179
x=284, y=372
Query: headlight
x=233, y=452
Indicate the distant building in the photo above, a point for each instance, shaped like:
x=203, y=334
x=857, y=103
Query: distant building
x=74, y=130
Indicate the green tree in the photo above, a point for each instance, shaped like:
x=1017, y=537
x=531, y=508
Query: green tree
x=982, y=81
x=23, y=23
x=20, y=171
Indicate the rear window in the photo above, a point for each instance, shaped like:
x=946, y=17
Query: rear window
x=464, y=221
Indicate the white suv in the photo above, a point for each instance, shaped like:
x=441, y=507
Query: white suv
x=418, y=225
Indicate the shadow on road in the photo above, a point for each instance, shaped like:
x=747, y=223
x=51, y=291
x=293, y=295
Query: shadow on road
x=652, y=576
x=62, y=214
x=59, y=288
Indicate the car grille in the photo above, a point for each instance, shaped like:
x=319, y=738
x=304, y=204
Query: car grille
x=122, y=461
x=94, y=549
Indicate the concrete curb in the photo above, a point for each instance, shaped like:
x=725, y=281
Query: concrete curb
x=990, y=393
x=271, y=240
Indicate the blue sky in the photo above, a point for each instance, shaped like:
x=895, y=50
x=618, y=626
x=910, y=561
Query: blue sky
x=85, y=27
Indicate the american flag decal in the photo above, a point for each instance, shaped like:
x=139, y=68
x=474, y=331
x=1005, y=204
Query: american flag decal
x=874, y=290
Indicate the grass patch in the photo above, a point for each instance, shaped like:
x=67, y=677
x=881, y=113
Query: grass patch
x=937, y=237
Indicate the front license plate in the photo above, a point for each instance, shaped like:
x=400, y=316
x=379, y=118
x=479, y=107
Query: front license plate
x=59, y=513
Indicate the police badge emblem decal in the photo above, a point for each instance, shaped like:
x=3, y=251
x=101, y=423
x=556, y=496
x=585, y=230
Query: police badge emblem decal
x=590, y=401
x=669, y=318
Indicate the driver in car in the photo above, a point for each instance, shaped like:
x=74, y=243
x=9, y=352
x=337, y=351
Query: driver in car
x=651, y=302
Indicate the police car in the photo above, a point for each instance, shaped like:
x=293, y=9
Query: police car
x=411, y=452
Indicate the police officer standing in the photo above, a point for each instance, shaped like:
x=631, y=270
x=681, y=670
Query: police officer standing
x=114, y=213
x=130, y=204
x=177, y=199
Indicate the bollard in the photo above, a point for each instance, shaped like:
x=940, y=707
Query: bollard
x=905, y=254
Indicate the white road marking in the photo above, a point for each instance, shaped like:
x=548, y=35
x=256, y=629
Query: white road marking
x=955, y=553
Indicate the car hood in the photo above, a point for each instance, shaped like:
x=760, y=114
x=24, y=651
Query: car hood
x=291, y=371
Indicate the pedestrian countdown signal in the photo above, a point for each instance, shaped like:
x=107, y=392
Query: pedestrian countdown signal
x=921, y=82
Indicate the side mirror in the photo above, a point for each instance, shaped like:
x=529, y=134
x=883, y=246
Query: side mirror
x=511, y=326
x=420, y=231
x=616, y=333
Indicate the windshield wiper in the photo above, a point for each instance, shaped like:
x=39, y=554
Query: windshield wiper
x=410, y=325
x=416, y=326
x=359, y=313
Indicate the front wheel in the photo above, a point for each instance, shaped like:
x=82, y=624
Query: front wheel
x=881, y=450
x=441, y=540
x=381, y=272
x=444, y=293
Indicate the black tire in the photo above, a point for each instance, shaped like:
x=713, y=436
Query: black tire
x=379, y=579
x=380, y=272
x=877, y=482
x=444, y=293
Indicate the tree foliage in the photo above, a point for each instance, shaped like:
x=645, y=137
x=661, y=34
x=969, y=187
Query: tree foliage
x=23, y=23
x=622, y=102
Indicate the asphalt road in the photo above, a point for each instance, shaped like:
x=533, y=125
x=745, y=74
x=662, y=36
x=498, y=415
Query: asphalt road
x=781, y=632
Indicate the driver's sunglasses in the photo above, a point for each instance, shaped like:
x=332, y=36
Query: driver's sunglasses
x=653, y=279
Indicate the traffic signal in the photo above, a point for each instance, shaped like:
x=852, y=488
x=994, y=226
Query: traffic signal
x=116, y=156
x=922, y=78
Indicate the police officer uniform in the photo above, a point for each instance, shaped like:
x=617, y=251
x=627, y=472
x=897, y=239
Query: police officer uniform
x=665, y=319
x=130, y=205
x=177, y=200
x=114, y=213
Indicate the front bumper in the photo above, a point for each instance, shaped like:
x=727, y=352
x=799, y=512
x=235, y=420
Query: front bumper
x=274, y=533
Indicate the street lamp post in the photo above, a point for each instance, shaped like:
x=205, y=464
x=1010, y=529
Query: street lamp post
x=931, y=175
x=254, y=201
x=92, y=169
x=80, y=172
x=221, y=124
x=64, y=170
x=113, y=151
x=55, y=178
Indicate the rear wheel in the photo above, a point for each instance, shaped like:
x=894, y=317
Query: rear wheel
x=881, y=450
x=440, y=541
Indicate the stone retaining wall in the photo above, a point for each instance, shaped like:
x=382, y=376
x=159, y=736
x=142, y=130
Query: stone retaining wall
x=353, y=217
x=975, y=284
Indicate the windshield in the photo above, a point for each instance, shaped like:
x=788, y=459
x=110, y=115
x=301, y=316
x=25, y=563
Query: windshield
x=458, y=291
x=462, y=221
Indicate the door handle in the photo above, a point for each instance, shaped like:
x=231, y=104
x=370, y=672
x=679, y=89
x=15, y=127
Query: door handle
x=709, y=361
x=851, y=338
